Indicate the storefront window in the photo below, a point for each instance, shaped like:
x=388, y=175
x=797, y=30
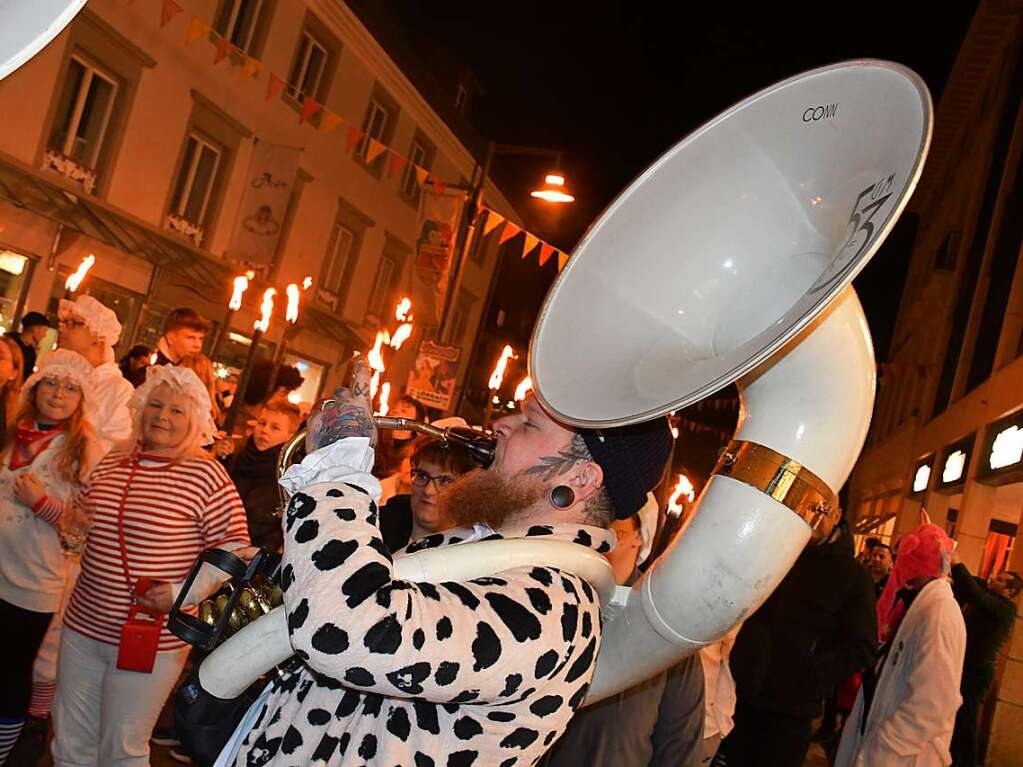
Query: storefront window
x=313, y=373
x=14, y=272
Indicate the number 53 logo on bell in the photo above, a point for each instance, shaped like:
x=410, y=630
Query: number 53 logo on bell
x=861, y=221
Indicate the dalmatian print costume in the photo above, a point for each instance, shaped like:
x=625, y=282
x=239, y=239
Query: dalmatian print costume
x=485, y=672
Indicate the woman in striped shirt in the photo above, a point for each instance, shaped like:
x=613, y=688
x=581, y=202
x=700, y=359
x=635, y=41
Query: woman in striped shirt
x=155, y=508
x=51, y=449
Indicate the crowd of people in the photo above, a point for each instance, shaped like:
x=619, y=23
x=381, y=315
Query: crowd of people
x=114, y=477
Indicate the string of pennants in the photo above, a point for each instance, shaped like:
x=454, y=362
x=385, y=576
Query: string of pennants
x=330, y=122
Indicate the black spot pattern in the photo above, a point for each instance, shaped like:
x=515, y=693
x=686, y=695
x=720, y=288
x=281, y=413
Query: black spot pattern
x=603, y=548
x=426, y=717
x=446, y=673
x=360, y=677
x=318, y=717
x=385, y=637
x=371, y=704
x=545, y=664
x=577, y=697
x=429, y=591
x=349, y=702
x=512, y=682
x=409, y=679
x=540, y=601
x=588, y=591
x=287, y=578
x=398, y=723
x=296, y=618
x=466, y=597
x=546, y=705
x=301, y=506
x=292, y=740
x=587, y=625
x=418, y=639
x=540, y=530
x=569, y=621
x=307, y=531
x=335, y=492
x=510, y=762
x=444, y=629
x=364, y=581
x=462, y=759
x=486, y=648
x=325, y=750
x=422, y=760
x=519, y=620
x=583, y=538
x=550, y=737
x=428, y=542
x=521, y=737
x=368, y=747
x=333, y=554
x=357, y=489
x=466, y=696
x=345, y=515
x=501, y=716
x=342, y=744
x=330, y=639
x=541, y=575
x=467, y=728
x=582, y=663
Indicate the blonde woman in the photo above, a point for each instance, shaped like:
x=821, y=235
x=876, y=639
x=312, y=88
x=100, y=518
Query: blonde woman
x=12, y=365
x=156, y=505
x=51, y=448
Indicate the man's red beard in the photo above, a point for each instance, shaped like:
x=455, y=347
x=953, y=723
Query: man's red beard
x=487, y=498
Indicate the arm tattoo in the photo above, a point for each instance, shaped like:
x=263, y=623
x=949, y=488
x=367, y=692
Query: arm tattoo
x=336, y=423
x=552, y=466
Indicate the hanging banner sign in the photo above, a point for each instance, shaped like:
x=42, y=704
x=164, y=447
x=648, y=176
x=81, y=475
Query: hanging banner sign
x=438, y=222
x=271, y=180
x=432, y=378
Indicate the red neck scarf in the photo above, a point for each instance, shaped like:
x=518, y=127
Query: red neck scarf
x=30, y=441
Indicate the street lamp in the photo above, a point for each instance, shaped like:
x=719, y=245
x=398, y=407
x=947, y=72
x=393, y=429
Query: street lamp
x=553, y=189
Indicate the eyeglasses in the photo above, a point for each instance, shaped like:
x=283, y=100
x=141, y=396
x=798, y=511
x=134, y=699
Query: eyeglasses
x=70, y=323
x=51, y=382
x=421, y=479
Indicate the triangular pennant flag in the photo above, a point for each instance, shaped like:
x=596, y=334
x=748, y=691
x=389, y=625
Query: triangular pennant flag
x=562, y=260
x=250, y=67
x=310, y=106
x=224, y=47
x=396, y=163
x=274, y=86
x=546, y=251
x=493, y=220
x=196, y=29
x=374, y=150
x=510, y=230
x=354, y=136
x=330, y=122
x=531, y=242
x=169, y=10
x=421, y=175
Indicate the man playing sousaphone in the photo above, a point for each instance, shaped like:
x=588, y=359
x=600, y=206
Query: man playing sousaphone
x=483, y=672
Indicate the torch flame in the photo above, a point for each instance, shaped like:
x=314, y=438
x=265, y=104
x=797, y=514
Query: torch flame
x=291, y=315
x=683, y=487
x=402, y=309
x=75, y=279
x=401, y=335
x=497, y=377
x=307, y=282
x=241, y=284
x=375, y=358
x=267, y=308
x=385, y=393
x=523, y=389
x=374, y=384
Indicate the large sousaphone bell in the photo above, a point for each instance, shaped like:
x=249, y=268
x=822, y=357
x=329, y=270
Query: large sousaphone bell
x=26, y=26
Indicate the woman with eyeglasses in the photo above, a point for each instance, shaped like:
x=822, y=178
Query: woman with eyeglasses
x=51, y=449
x=407, y=518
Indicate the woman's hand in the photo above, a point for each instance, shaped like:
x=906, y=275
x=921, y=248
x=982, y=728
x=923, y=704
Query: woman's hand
x=223, y=446
x=158, y=598
x=28, y=489
x=348, y=414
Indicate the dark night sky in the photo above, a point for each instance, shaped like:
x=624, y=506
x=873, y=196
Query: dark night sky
x=614, y=84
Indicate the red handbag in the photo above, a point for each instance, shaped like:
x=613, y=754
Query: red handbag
x=140, y=634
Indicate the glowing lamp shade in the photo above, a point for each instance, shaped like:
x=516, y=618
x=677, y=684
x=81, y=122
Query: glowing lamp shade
x=922, y=477
x=1007, y=448
x=553, y=189
x=954, y=465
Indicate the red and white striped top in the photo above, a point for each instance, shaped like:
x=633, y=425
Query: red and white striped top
x=172, y=513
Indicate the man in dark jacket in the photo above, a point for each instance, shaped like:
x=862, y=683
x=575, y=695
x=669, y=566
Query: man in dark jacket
x=989, y=611
x=34, y=327
x=817, y=628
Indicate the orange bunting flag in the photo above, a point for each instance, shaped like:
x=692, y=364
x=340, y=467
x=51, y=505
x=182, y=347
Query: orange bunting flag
x=274, y=87
x=396, y=163
x=168, y=12
x=374, y=150
x=250, y=67
x=354, y=136
x=562, y=260
x=421, y=175
x=494, y=219
x=310, y=107
x=531, y=242
x=330, y=122
x=196, y=29
x=510, y=230
x=546, y=251
x=224, y=47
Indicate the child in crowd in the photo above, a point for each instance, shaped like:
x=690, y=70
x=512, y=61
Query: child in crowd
x=254, y=471
x=51, y=448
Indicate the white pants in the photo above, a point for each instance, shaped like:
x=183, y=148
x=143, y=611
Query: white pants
x=103, y=716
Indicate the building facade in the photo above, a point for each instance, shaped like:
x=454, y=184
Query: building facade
x=947, y=433
x=133, y=136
